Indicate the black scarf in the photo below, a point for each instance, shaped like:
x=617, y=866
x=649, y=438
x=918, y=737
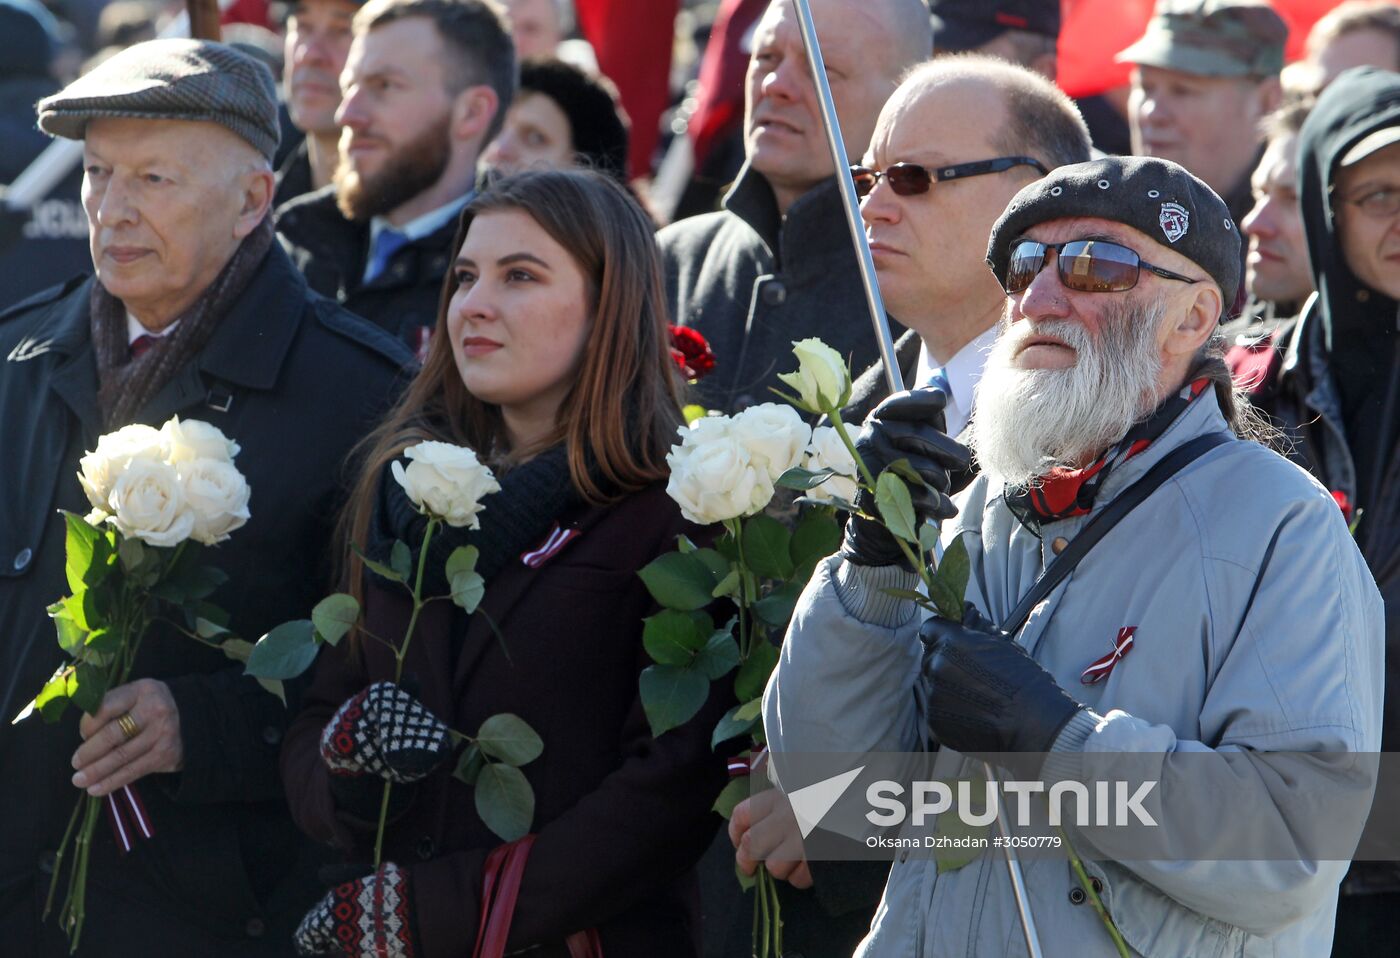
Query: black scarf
x=533, y=497
x=125, y=384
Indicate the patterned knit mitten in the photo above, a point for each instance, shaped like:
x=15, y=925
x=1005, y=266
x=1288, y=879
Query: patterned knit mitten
x=370, y=917
x=384, y=731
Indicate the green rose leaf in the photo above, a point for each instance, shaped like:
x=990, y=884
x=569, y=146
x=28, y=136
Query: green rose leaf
x=468, y=589
x=88, y=686
x=753, y=674
x=950, y=579
x=734, y=724
x=766, y=547
x=901, y=468
x=463, y=559
x=237, y=649
x=401, y=560
x=70, y=633
x=775, y=608
x=896, y=507
x=817, y=536
x=87, y=555
x=285, y=652
x=735, y=792
x=378, y=568
x=679, y=581
x=803, y=479
x=928, y=537
x=103, y=641
x=729, y=585
x=335, y=615
x=746, y=882
x=53, y=699
x=672, y=638
x=719, y=656
x=469, y=765
x=684, y=545
x=131, y=552
x=505, y=801
x=718, y=565
x=509, y=738
x=671, y=695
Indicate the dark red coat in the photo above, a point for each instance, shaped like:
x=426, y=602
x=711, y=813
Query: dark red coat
x=621, y=817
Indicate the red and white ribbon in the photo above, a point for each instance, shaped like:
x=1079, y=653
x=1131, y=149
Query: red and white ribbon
x=1099, y=669
x=557, y=539
x=127, y=816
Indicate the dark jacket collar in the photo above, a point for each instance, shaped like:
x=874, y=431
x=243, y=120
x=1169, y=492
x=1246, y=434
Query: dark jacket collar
x=251, y=341
x=803, y=242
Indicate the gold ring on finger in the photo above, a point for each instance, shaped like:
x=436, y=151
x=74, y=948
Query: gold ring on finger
x=128, y=726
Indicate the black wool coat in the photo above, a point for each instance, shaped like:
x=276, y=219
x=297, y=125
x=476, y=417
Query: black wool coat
x=331, y=253
x=296, y=381
x=622, y=817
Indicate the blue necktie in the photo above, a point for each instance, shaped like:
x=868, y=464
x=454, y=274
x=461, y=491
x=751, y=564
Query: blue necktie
x=388, y=242
x=939, y=380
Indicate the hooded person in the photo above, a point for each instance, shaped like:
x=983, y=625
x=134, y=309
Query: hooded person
x=1331, y=379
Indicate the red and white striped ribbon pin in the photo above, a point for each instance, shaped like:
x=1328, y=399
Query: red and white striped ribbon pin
x=557, y=539
x=127, y=815
x=1099, y=669
x=746, y=764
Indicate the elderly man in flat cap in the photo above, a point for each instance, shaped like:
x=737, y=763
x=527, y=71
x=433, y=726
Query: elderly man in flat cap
x=194, y=311
x=1160, y=583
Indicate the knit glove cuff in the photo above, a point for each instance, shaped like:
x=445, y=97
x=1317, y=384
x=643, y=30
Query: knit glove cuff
x=369, y=917
x=386, y=732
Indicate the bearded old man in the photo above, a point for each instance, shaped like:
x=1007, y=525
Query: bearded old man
x=194, y=311
x=1225, y=629
x=426, y=86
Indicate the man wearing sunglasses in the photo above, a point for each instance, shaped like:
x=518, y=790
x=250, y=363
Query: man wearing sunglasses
x=1225, y=632
x=956, y=141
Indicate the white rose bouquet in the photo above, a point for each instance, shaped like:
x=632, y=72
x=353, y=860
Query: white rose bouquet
x=725, y=470
x=447, y=484
x=157, y=496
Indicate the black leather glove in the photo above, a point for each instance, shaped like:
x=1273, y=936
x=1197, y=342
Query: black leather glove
x=987, y=695
x=368, y=917
x=908, y=425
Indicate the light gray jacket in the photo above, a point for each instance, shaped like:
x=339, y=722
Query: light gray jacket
x=1259, y=629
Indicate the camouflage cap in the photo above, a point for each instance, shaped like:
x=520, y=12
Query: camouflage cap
x=1218, y=38
x=171, y=80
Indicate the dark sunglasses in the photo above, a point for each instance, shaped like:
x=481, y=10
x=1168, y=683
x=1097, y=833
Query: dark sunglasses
x=910, y=179
x=1086, y=265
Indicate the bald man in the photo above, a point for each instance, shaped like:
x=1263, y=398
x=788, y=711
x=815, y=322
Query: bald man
x=776, y=263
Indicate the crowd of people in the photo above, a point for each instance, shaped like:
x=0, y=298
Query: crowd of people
x=1150, y=345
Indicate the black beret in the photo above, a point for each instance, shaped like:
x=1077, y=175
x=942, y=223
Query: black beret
x=172, y=79
x=596, y=122
x=1153, y=196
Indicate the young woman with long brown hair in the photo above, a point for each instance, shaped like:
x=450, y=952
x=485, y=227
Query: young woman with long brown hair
x=550, y=358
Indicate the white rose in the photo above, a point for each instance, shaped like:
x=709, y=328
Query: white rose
x=712, y=475
x=822, y=381
x=829, y=452
x=147, y=503
x=216, y=495
x=195, y=439
x=446, y=481
x=774, y=435
x=99, y=469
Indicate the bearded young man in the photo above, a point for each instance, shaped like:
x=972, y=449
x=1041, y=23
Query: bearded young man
x=425, y=88
x=1225, y=630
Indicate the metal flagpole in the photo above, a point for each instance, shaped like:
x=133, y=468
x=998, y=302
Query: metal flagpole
x=850, y=204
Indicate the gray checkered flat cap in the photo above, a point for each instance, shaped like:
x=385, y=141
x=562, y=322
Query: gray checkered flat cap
x=172, y=80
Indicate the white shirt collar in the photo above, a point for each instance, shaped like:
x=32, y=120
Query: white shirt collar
x=134, y=330
x=963, y=372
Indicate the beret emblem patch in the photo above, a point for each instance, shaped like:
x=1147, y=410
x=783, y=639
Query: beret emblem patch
x=1174, y=221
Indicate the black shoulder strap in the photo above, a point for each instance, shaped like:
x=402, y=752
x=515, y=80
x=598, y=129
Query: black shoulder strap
x=1099, y=526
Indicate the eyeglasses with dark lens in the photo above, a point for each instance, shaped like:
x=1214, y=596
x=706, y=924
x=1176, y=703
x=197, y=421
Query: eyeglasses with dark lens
x=910, y=179
x=1085, y=265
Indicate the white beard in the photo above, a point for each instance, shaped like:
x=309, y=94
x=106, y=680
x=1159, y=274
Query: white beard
x=1030, y=421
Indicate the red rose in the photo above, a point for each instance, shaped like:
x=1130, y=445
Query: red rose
x=1343, y=503
x=691, y=353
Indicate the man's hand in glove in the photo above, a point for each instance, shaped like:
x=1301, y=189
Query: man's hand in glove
x=987, y=695
x=369, y=917
x=908, y=425
x=384, y=731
